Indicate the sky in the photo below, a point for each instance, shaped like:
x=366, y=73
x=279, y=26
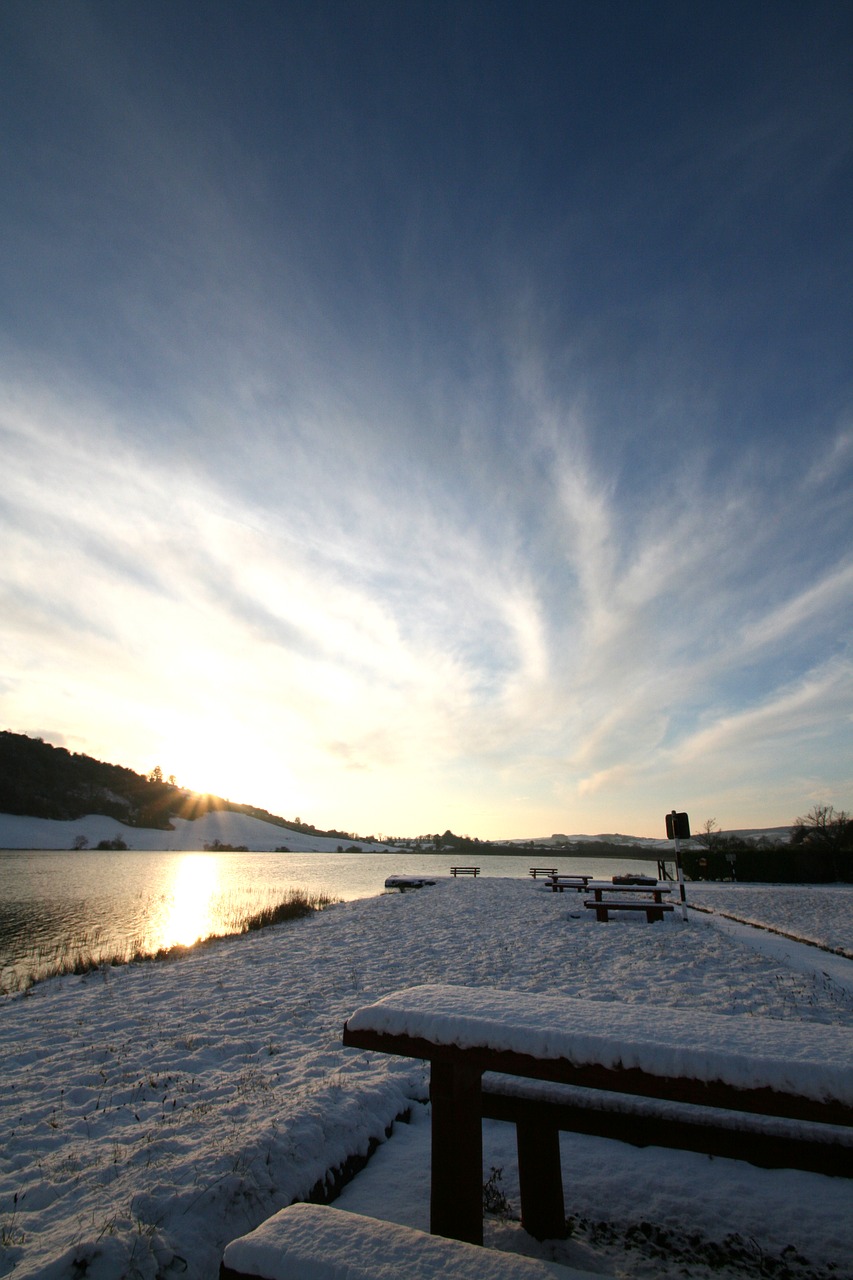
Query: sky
x=432, y=415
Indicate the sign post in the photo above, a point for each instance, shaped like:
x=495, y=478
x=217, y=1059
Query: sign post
x=678, y=828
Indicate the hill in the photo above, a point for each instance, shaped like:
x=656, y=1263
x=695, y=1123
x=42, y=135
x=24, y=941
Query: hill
x=222, y=829
x=38, y=780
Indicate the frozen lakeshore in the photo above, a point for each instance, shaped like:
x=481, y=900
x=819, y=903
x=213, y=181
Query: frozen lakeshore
x=154, y=1112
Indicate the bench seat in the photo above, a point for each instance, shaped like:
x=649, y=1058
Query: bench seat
x=770, y=1142
x=654, y=910
x=558, y=883
x=316, y=1242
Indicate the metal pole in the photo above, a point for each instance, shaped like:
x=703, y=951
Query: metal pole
x=680, y=873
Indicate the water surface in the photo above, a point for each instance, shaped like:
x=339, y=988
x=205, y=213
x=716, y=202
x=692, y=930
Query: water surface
x=56, y=905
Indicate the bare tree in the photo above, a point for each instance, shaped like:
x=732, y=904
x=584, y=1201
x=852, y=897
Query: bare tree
x=824, y=827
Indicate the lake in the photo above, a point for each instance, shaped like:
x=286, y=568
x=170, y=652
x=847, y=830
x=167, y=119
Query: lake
x=58, y=905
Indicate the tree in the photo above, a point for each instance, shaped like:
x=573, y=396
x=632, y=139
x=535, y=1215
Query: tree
x=156, y=774
x=824, y=828
x=710, y=833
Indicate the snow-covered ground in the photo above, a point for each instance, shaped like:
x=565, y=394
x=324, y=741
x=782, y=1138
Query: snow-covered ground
x=805, y=911
x=152, y=1113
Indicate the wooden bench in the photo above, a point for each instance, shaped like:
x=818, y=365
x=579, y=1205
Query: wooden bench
x=559, y=883
x=316, y=1242
x=464, y=871
x=407, y=882
x=722, y=1084
x=543, y=871
x=629, y=897
x=603, y=906
x=540, y=1114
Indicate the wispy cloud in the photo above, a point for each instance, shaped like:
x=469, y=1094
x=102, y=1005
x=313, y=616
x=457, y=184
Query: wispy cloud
x=394, y=467
x=812, y=705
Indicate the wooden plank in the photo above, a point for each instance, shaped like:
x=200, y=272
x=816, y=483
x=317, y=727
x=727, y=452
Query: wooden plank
x=632, y=1080
x=811, y=1151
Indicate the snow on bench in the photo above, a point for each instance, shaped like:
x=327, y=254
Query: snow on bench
x=770, y=1142
x=408, y=882
x=802, y=1062
x=316, y=1242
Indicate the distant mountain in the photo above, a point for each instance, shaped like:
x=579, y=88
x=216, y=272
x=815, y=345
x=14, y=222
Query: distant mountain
x=39, y=780
x=775, y=834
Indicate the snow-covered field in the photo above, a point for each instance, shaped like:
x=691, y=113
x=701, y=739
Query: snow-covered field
x=152, y=1113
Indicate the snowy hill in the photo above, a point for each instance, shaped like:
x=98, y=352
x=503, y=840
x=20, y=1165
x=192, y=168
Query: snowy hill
x=229, y=828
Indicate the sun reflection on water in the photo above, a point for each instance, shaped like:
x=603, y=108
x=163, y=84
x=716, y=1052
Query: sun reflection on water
x=189, y=907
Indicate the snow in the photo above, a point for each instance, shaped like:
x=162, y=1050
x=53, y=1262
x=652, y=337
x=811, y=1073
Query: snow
x=745, y=1052
x=337, y=1245
x=408, y=882
x=153, y=1113
x=801, y=910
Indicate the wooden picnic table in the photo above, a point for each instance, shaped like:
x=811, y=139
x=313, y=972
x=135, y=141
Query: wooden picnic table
x=628, y=897
x=578, y=882
x=743, y=1065
x=599, y=887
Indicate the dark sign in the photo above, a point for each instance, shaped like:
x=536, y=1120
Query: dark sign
x=677, y=826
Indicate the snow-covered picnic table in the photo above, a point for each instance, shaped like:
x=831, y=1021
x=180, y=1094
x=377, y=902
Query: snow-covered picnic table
x=648, y=897
x=685, y=1056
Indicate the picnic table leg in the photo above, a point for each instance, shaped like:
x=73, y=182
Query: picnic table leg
x=543, y=1211
x=456, y=1198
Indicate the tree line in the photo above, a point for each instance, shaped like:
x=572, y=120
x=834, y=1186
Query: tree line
x=819, y=851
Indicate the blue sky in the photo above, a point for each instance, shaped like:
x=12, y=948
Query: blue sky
x=424, y=415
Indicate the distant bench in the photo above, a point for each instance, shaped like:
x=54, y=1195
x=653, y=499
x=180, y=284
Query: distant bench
x=464, y=871
x=407, y=882
x=316, y=1242
x=559, y=883
x=543, y=871
x=776, y=1093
